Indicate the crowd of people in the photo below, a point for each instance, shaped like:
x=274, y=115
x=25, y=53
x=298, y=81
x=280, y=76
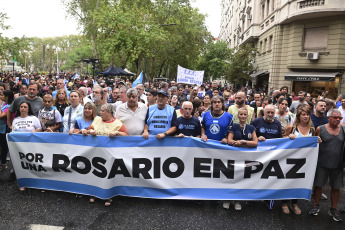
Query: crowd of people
x=238, y=117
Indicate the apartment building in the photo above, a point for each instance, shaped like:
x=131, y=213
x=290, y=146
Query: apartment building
x=300, y=43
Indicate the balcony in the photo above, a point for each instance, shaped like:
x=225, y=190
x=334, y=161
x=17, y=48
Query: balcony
x=310, y=3
x=309, y=9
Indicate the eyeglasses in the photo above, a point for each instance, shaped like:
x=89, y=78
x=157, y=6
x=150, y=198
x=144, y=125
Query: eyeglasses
x=337, y=118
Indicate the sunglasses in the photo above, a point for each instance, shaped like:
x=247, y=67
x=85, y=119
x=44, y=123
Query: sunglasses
x=337, y=118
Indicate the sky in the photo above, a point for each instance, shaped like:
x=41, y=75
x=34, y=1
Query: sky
x=47, y=18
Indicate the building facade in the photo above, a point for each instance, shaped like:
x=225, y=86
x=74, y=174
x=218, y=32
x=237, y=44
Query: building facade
x=300, y=43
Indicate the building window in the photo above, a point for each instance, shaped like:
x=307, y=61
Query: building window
x=270, y=43
x=263, y=11
x=265, y=45
x=316, y=39
x=260, y=47
x=268, y=8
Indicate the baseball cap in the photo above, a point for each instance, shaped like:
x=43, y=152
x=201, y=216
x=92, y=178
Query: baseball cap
x=163, y=92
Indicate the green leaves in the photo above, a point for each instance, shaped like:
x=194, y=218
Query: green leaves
x=240, y=65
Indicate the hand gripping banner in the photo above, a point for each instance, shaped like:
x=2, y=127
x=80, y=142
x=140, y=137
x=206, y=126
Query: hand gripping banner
x=172, y=168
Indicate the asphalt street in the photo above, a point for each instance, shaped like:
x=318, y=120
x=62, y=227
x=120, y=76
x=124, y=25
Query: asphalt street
x=20, y=210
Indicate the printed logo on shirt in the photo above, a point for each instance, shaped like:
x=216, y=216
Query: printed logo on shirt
x=214, y=128
x=180, y=126
x=269, y=131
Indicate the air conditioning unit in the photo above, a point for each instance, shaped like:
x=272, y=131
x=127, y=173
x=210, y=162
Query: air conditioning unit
x=249, y=16
x=313, y=56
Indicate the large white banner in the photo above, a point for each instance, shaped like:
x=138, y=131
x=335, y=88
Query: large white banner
x=188, y=76
x=173, y=168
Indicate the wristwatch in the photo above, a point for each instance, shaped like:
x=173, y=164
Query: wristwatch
x=245, y=142
x=165, y=133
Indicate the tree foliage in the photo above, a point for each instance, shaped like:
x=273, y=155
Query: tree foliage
x=214, y=59
x=240, y=64
x=142, y=34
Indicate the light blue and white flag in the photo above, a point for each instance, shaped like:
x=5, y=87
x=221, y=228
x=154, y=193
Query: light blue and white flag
x=172, y=168
x=76, y=76
x=139, y=80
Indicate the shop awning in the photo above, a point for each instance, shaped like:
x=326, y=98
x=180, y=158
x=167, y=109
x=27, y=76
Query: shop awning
x=311, y=76
x=259, y=73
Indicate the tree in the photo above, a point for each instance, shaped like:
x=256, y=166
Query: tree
x=214, y=59
x=3, y=40
x=157, y=35
x=240, y=64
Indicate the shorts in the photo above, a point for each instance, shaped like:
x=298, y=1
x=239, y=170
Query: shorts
x=335, y=177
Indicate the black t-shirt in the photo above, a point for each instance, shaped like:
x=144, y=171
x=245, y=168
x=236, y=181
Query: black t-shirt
x=188, y=127
x=267, y=130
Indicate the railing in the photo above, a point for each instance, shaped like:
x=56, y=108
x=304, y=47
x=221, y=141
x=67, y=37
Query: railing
x=310, y=3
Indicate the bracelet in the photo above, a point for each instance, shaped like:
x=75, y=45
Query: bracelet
x=165, y=133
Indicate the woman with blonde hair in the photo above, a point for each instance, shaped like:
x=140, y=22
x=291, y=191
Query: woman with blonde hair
x=302, y=127
x=61, y=101
x=82, y=123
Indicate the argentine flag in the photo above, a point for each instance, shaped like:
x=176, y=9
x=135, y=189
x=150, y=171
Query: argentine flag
x=139, y=80
x=75, y=76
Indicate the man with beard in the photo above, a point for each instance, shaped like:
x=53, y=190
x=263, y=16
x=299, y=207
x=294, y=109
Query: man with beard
x=99, y=98
x=160, y=118
x=267, y=127
x=284, y=90
x=319, y=117
x=132, y=114
x=301, y=100
x=31, y=97
x=240, y=102
x=188, y=125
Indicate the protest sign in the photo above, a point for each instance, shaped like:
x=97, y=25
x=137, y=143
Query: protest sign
x=172, y=168
x=188, y=76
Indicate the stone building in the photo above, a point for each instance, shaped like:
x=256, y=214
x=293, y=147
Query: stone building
x=300, y=43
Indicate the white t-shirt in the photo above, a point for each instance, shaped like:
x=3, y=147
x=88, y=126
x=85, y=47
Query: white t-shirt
x=26, y=124
x=133, y=121
x=45, y=115
x=117, y=104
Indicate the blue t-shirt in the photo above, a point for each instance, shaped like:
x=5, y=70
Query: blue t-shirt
x=338, y=104
x=160, y=120
x=267, y=130
x=239, y=134
x=188, y=127
x=80, y=123
x=216, y=127
x=317, y=121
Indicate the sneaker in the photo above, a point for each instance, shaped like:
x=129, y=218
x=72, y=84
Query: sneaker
x=335, y=214
x=315, y=210
x=226, y=204
x=238, y=206
x=323, y=196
